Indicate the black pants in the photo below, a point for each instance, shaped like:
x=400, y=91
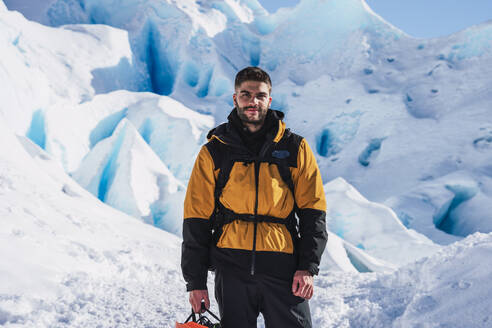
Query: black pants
x=241, y=298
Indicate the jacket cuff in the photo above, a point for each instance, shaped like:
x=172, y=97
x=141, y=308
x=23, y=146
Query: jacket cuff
x=309, y=267
x=196, y=285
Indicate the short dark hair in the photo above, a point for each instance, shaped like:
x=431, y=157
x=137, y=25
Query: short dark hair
x=252, y=74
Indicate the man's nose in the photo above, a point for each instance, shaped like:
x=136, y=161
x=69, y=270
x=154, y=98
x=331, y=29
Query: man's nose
x=253, y=101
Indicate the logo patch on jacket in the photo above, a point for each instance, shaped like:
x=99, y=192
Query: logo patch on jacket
x=281, y=154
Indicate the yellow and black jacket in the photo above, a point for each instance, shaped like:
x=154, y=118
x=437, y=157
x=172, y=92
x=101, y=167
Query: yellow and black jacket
x=245, y=218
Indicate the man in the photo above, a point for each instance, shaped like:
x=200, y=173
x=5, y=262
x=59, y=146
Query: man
x=248, y=183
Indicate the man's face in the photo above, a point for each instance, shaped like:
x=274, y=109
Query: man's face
x=252, y=100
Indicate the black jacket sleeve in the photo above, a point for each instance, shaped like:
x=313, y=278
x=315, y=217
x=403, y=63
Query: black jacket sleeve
x=312, y=229
x=311, y=203
x=197, y=233
x=195, y=253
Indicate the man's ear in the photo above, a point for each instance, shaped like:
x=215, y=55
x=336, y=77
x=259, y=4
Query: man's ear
x=234, y=97
x=269, y=102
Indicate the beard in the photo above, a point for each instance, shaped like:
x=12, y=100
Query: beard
x=257, y=118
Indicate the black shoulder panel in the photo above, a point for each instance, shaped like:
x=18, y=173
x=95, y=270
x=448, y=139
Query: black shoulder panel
x=217, y=151
x=216, y=148
x=218, y=131
x=288, y=148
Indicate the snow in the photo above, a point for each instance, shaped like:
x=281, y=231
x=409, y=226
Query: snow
x=103, y=112
x=372, y=227
x=78, y=263
x=124, y=172
x=341, y=255
x=449, y=289
x=65, y=254
x=42, y=67
x=173, y=131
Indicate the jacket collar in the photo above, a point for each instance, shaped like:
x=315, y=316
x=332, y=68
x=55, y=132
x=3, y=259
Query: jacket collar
x=226, y=133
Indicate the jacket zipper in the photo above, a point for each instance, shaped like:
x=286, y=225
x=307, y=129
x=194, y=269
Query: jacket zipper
x=253, y=254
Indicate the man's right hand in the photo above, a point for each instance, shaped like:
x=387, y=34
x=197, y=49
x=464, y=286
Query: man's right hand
x=196, y=297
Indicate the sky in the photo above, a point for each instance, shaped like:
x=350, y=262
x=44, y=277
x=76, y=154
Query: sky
x=420, y=18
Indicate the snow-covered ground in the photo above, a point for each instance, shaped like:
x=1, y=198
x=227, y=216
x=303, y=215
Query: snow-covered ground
x=69, y=260
x=102, y=112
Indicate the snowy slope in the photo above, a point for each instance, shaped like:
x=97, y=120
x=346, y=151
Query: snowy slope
x=42, y=67
x=51, y=96
x=173, y=131
x=372, y=227
x=448, y=289
x=69, y=260
x=49, y=88
x=374, y=138
x=72, y=261
x=124, y=172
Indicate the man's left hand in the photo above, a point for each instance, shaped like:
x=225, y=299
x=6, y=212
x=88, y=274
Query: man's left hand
x=302, y=285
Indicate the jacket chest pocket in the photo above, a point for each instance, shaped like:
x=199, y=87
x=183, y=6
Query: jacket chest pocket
x=239, y=193
x=274, y=196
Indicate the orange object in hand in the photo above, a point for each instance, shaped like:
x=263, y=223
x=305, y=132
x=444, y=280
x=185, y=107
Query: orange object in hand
x=189, y=325
x=202, y=322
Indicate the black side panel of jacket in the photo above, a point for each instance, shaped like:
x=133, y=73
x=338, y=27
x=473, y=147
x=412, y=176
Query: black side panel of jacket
x=195, y=249
x=312, y=228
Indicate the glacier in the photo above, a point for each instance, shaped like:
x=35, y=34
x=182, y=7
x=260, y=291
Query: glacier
x=106, y=103
x=365, y=74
